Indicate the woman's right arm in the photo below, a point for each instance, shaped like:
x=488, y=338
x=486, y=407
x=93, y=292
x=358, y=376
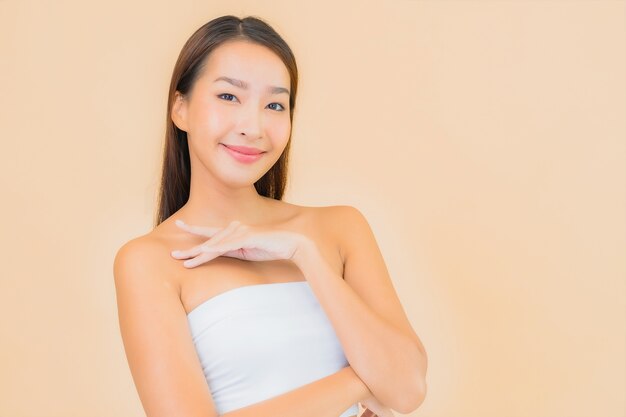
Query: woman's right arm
x=164, y=363
x=326, y=397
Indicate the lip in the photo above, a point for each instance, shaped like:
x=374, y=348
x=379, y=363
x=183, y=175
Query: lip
x=243, y=157
x=244, y=149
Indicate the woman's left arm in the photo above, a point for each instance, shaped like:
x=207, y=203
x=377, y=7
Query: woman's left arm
x=364, y=309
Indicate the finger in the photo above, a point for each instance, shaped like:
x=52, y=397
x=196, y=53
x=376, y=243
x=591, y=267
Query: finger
x=229, y=248
x=189, y=253
x=235, y=242
x=197, y=230
x=200, y=259
x=197, y=250
x=222, y=234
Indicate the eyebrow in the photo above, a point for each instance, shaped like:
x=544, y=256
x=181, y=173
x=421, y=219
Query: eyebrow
x=244, y=85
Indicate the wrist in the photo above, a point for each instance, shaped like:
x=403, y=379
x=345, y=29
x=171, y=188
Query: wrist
x=305, y=251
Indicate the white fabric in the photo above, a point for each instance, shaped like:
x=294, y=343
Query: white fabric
x=259, y=341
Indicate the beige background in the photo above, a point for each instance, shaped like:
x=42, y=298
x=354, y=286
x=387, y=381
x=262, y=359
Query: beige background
x=484, y=141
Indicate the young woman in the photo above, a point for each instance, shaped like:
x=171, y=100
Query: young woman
x=238, y=303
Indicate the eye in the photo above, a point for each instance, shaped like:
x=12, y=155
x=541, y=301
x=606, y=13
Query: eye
x=282, y=107
x=226, y=94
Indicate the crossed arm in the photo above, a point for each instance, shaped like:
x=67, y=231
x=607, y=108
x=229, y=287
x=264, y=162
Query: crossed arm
x=362, y=307
x=165, y=366
x=377, y=337
x=326, y=397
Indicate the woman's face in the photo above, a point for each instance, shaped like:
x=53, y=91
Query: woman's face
x=240, y=100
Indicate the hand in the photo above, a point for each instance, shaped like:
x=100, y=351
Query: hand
x=241, y=241
x=374, y=408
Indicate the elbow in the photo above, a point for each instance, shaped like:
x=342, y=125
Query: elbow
x=414, y=393
x=408, y=391
x=412, y=400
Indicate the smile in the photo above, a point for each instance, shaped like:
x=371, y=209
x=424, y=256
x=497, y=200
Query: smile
x=242, y=157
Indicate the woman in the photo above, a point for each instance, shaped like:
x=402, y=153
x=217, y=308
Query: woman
x=209, y=329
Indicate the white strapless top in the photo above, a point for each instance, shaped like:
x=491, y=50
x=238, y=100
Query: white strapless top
x=259, y=341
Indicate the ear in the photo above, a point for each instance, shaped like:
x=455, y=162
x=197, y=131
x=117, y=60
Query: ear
x=179, y=111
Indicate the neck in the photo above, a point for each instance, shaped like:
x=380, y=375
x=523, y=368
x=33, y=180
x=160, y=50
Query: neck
x=212, y=203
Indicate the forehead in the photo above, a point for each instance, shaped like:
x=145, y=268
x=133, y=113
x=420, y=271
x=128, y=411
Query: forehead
x=247, y=61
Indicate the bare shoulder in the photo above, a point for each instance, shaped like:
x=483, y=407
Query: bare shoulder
x=342, y=213
x=342, y=224
x=140, y=259
x=138, y=267
x=323, y=217
x=135, y=247
x=132, y=253
x=154, y=329
x=333, y=215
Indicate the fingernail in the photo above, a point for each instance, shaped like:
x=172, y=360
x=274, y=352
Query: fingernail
x=175, y=253
x=179, y=222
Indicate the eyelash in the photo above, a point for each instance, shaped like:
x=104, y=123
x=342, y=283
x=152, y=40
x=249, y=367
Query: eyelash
x=227, y=94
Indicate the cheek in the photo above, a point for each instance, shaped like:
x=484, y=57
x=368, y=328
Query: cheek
x=212, y=121
x=279, y=131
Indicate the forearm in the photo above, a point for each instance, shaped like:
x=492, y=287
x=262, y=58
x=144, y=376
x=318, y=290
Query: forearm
x=327, y=397
x=386, y=360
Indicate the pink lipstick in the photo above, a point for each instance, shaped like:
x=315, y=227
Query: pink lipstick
x=244, y=153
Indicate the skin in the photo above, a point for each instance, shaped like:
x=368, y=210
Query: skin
x=222, y=189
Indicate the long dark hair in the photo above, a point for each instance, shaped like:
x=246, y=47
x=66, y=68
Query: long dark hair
x=176, y=172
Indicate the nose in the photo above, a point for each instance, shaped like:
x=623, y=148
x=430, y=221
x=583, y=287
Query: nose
x=250, y=121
